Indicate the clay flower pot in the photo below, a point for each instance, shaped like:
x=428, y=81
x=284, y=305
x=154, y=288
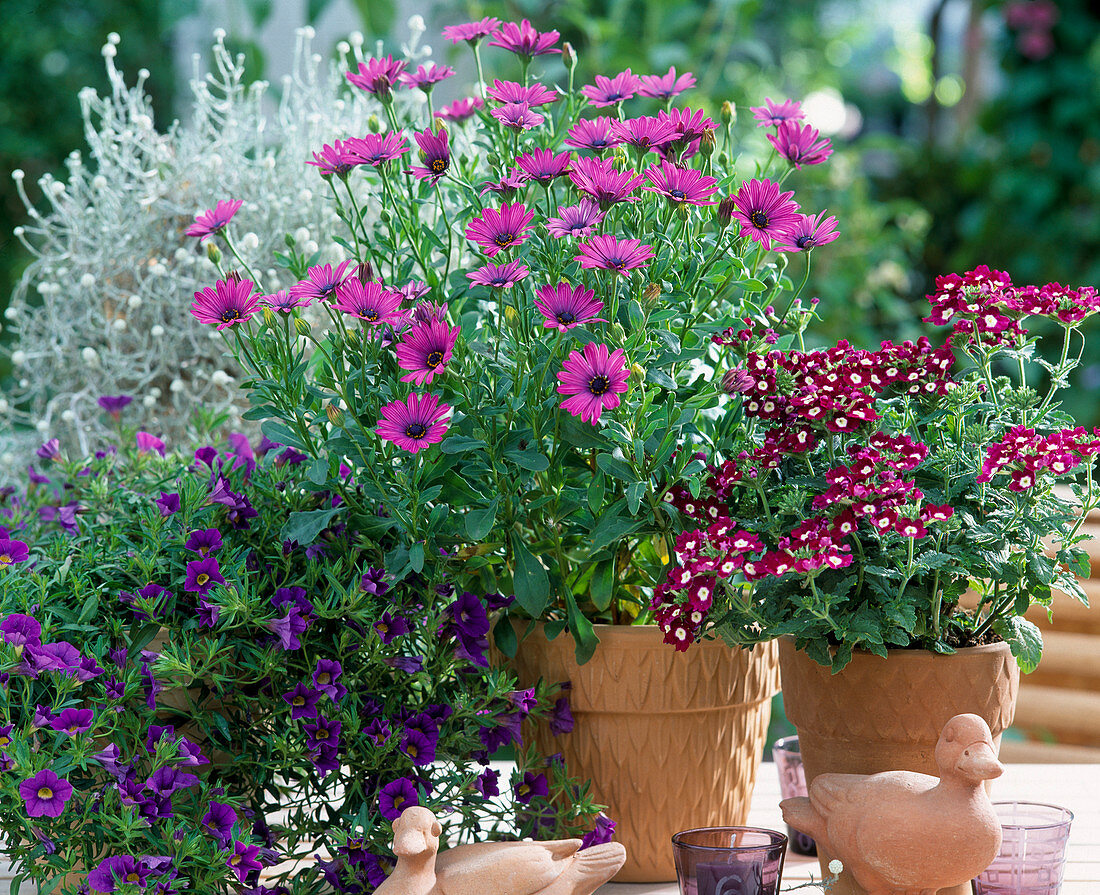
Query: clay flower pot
x=886, y=714
x=670, y=741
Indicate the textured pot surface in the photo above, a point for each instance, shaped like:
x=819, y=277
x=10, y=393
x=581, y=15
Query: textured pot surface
x=886, y=714
x=670, y=740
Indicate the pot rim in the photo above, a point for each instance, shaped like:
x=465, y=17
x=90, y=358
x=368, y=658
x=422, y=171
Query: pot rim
x=1000, y=645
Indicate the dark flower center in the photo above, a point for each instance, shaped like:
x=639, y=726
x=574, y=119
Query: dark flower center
x=434, y=359
x=597, y=385
x=504, y=239
x=439, y=165
x=201, y=579
x=499, y=282
x=617, y=263
x=759, y=219
x=415, y=430
x=230, y=314
x=45, y=793
x=598, y=143
x=805, y=241
x=677, y=194
x=566, y=317
x=371, y=315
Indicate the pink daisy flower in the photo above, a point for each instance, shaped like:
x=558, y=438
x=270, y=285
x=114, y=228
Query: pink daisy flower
x=799, y=144
x=688, y=125
x=603, y=182
x=282, y=301
x=377, y=149
x=542, y=165
x=414, y=423
x=461, y=109
x=577, y=220
x=608, y=253
x=763, y=211
x=682, y=186
x=230, y=302
x=425, y=350
x=336, y=159
x=426, y=76
x=595, y=134
x=320, y=282
x=511, y=92
x=471, y=32
x=214, y=220
x=506, y=186
x=377, y=76
x=566, y=306
x=414, y=290
x=595, y=379
x=611, y=91
x=644, y=133
x=808, y=232
x=776, y=113
x=499, y=276
x=369, y=301
x=665, y=86
x=523, y=40
x=517, y=116
x=435, y=153
x=497, y=230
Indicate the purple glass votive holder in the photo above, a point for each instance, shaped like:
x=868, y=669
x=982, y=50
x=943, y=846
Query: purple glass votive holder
x=792, y=783
x=1032, y=859
x=729, y=861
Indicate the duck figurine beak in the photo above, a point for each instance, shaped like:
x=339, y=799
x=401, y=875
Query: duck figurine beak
x=413, y=841
x=978, y=762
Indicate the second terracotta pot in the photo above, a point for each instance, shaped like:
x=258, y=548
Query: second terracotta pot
x=669, y=740
x=886, y=714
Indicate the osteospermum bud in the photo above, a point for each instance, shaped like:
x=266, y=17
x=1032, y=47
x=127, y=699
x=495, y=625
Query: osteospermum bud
x=725, y=212
x=511, y=317
x=364, y=273
x=374, y=125
x=707, y=143
x=651, y=292
x=301, y=325
x=269, y=316
x=728, y=113
x=333, y=413
x=213, y=252
x=737, y=381
x=637, y=370
x=568, y=56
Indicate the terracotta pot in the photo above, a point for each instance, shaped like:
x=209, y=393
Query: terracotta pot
x=670, y=740
x=886, y=714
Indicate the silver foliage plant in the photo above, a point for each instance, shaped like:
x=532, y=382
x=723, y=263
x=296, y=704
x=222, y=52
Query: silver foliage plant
x=103, y=307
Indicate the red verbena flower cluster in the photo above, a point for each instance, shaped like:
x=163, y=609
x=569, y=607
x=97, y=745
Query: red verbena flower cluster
x=1025, y=456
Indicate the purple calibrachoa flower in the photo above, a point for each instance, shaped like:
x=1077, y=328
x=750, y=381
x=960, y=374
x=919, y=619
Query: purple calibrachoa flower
x=498, y=229
x=611, y=91
x=390, y=627
x=288, y=627
x=764, y=212
x=18, y=629
x=561, y=718
x=543, y=165
x=505, y=92
x=243, y=860
x=518, y=116
x=499, y=276
x=214, y=220
x=665, y=86
x=169, y=503
x=603, y=831
x=117, y=870
x=165, y=781
x=147, y=442
x=681, y=186
x=532, y=786
x=772, y=113
x=470, y=627
x=577, y=220
x=12, y=552
x=61, y=656
x=325, y=677
x=605, y=252
x=336, y=158
x=419, y=746
x=644, y=133
x=230, y=302
x=471, y=32
x=114, y=404
x=594, y=379
x=426, y=76
x=596, y=134
x=377, y=76
x=378, y=149
x=73, y=721
x=415, y=423
x=425, y=349
x=395, y=797
x=204, y=541
x=603, y=182
x=524, y=40
x=435, y=152
x=800, y=144
x=219, y=820
x=208, y=613
x=808, y=232
x=461, y=109
x=202, y=575
x=566, y=306
x=302, y=701
x=370, y=302
x=43, y=717
x=320, y=282
x=487, y=783
x=49, y=450
x=324, y=733
x=45, y=794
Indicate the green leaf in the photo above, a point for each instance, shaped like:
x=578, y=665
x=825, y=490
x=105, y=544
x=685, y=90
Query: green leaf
x=318, y=471
x=595, y=493
x=279, y=433
x=531, y=582
x=480, y=522
x=1024, y=639
x=304, y=527
x=752, y=285
x=459, y=444
x=609, y=529
x=531, y=460
x=505, y=637
x=584, y=634
x=416, y=556
x=634, y=494
x=614, y=467
x=602, y=586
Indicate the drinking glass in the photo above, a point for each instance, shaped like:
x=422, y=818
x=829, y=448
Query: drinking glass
x=729, y=861
x=1033, y=850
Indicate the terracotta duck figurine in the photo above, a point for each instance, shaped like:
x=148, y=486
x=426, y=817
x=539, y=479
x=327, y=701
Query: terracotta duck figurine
x=903, y=833
x=493, y=868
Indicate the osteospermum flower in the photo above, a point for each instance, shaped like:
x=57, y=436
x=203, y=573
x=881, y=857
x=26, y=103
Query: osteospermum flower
x=566, y=306
x=513, y=92
x=336, y=159
x=611, y=91
x=377, y=149
x=543, y=165
x=12, y=551
x=414, y=423
x=426, y=76
x=434, y=152
x=575, y=220
x=608, y=253
x=471, y=32
x=807, y=232
x=507, y=186
x=776, y=113
x=497, y=230
x=665, y=86
x=461, y=109
x=377, y=76
x=800, y=144
x=282, y=301
x=230, y=302
x=499, y=276
x=764, y=212
x=517, y=116
x=682, y=186
x=320, y=282
x=370, y=302
x=45, y=794
x=595, y=379
x=523, y=40
x=644, y=133
x=603, y=182
x=688, y=125
x=214, y=220
x=425, y=350
x=596, y=134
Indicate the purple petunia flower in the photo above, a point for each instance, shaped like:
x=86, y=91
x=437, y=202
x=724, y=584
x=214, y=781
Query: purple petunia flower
x=18, y=629
x=772, y=113
x=425, y=349
x=302, y=701
x=608, y=253
x=214, y=220
x=230, y=302
x=320, y=282
x=461, y=109
x=426, y=76
x=218, y=821
x=378, y=731
x=471, y=32
x=807, y=232
x=324, y=733
x=532, y=786
x=518, y=116
x=190, y=754
x=378, y=149
x=561, y=718
x=43, y=717
x=243, y=859
x=603, y=182
x=377, y=76
x=202, y=575
x=577, y=220
x=108, y=759
x=611, y=91
x=524, y=700
x=88, y=669
x=73, y=721
x=435, y=152
x=204, y=541
x=165, y=781
x=390, y=627
x=114, y=404
x=45, y=794
x=764, y=212
x=419, y=746
x=603, y=831
x=470, y=626
x=506, y=92
x=681, y=186
x=800, y=144
x=499, y=276
x=665, y=86
x=288, y=628
x=499, y=229
x=543, y=165
x=594, y=380
x=407, y=664
x=487, y=783
x=115, y=871
x=169, y=503
x=566, y=306
x=395, y=797
x=208, y=613
x=596, y=134
x=523, y=40
x=147, y=443
x=61, y=656
x=242, y=453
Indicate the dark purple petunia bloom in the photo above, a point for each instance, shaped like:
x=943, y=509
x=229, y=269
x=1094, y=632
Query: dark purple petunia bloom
x=325, y=677
x=323, y=734
x=61, y=656
x=524, y=40
x=407, y=664
x=190, y=755
x=288, y=628
x=603, y=831
x=243, y=860
x=395, y=797
x=302, y=701
x=45, y=794
x=208, y=613
x=73, y=721
x=218, y=821
x=12, y=552
x=419, y=745
x=532, y=786
x=326, y=758
x=156, y=733
x=202, y=575
x=561, y=718
x=204, y=541
x=114, y=404
x=509, y=730
x=113, y=688
x=20, y=630
x=524, y=700
x=374, y=582
x=487, y=783
x=165, y=781
x=242, y=453
x=149, y=681
x=108, y=759
x=115, y=871
x=169, y=503
x=147, y=442
x=295, y=596
x=35, y=477
x=378, y=731
x=43, y=717
x=470, y=626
